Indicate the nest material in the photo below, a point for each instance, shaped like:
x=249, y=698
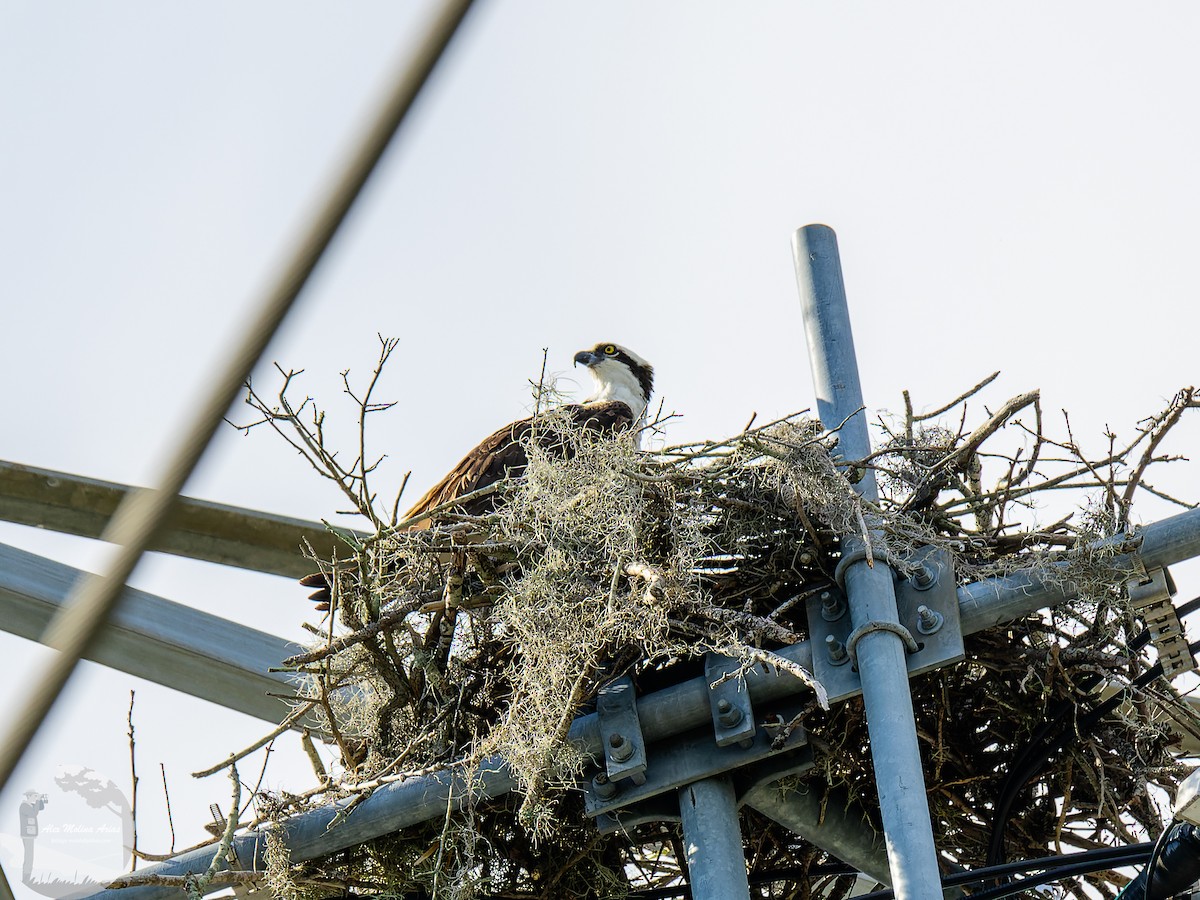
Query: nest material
x=488, y=634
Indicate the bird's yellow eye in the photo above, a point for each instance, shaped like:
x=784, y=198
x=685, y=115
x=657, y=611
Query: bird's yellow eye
x=610, y=350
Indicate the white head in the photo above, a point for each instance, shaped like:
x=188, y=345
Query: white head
x=618, y=374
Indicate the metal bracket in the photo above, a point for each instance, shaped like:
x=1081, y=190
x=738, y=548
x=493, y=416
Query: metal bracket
x=927, y=606
x=665, y=807
x=772, y=769
x=1151, y=599
x=621, y=732
x=690, y=757
x=732, y=714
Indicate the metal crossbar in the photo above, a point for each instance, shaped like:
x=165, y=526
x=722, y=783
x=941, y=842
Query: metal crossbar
x=196, y=529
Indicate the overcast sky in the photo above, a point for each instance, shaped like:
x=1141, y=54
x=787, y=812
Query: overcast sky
x=1013, y=188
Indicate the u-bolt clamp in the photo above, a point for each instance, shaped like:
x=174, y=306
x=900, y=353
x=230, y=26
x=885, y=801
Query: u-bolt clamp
x=866, y=628
x=858, y=555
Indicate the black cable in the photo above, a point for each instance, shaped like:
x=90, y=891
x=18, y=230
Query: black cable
x=1154, y=856
x=1089, y=861
x=765, y=876
x=1100, y=858
x=1050, y=737
x=1018, y=887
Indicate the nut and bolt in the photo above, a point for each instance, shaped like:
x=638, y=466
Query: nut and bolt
x=727, y=714
x=924, y=578
x=836, y=650
x=832, y=607
x=603, y=787
x=929, y=621
x=620, y=749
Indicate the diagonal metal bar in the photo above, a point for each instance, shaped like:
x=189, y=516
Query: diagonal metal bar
x=196, y=529
x=141, y=514
x=870, y=588
x=390, y=808
x=171, y=644
x=836, y=824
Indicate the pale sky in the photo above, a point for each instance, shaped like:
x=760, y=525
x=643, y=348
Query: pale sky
x=1014, y=187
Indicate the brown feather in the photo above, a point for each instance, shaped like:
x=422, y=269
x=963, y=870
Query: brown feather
x=500, y=455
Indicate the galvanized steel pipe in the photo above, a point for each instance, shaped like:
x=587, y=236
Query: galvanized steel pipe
x=870, y=589
x=712, y=840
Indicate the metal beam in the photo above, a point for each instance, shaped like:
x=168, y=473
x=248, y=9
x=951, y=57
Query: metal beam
x=835, y=824
x=392, y=807
x=870, y=588
x=197, y=529
x=183, y=648
x=712, y=840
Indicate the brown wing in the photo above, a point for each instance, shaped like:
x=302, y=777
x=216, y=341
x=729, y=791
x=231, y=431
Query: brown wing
x=500, y=455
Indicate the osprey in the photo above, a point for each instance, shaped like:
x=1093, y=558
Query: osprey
x=623, y=382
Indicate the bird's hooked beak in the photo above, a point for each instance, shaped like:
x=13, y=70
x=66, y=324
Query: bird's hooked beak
x=587, y=357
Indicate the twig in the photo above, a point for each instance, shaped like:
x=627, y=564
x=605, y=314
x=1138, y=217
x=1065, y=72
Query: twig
x=1182, y=401
x=966, y=395
x=133, y=777
x=775, y=661
x=197, y=888
x=262, y=773
x=310, y=750
x=283, y=726
x=183, y=881
x=386, y=620
x=167, y=797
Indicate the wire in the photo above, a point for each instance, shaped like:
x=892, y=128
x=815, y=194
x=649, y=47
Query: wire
x=1053, y=868
x=1153, y=863
x=1019, y=887
x=764, y=877
x=1086, y=861
x=140, y=514
x=1047, y=741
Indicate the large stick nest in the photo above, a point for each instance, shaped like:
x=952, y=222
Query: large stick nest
x=488, y=634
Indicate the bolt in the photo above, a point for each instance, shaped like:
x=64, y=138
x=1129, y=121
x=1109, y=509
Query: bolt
x=929, y=621
x=837, y=650
x=620, y=747
x=806, y=558
x=603, y=787
x=924, y=578
x=727, y=714
x=832, y=607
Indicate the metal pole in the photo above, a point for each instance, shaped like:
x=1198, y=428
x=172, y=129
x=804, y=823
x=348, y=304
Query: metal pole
x=391, y=808
x=712, y=839
x=897, y=757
